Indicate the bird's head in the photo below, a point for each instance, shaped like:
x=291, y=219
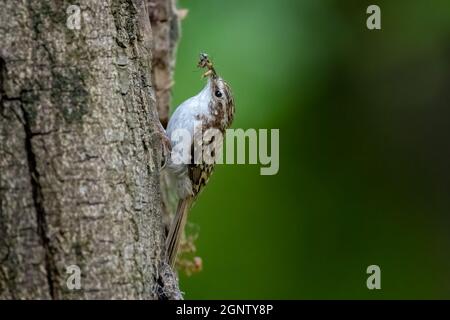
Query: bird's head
x=221, y=95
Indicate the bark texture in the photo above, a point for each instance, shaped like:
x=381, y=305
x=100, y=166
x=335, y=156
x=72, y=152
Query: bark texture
x=79, y=153
x=164, y=18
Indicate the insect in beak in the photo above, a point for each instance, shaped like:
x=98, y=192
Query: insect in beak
x=204, y=62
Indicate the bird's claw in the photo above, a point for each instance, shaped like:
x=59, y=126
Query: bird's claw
x=166, y=145
x=166, y=149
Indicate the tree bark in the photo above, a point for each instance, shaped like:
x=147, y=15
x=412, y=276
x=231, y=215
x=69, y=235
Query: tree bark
x=79, y=153
x=164, y=19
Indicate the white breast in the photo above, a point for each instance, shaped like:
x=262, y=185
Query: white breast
x=185, y=118
x=188, y=112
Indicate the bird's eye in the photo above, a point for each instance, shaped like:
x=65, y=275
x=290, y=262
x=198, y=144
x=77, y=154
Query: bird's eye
x=218, y=94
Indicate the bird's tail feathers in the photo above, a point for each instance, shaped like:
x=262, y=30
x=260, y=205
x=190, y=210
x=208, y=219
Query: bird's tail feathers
x=176, y=230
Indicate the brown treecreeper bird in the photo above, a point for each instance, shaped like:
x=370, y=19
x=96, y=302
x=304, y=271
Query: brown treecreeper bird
x=213, y=107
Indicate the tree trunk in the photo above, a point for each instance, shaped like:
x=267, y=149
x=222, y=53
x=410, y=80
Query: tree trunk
x=79, y=150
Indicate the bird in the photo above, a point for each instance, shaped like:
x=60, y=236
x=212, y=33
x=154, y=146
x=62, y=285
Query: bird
x=213, y=107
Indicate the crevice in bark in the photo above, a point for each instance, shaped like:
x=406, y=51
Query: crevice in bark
x=2, y=85
x=3, y=242
x=165, y=24
x=42, y=227
x=166, y=32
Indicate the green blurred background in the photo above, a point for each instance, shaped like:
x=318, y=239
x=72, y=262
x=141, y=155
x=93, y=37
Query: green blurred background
x=364, y=149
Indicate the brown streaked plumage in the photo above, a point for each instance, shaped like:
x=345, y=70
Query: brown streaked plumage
x=218, y=113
